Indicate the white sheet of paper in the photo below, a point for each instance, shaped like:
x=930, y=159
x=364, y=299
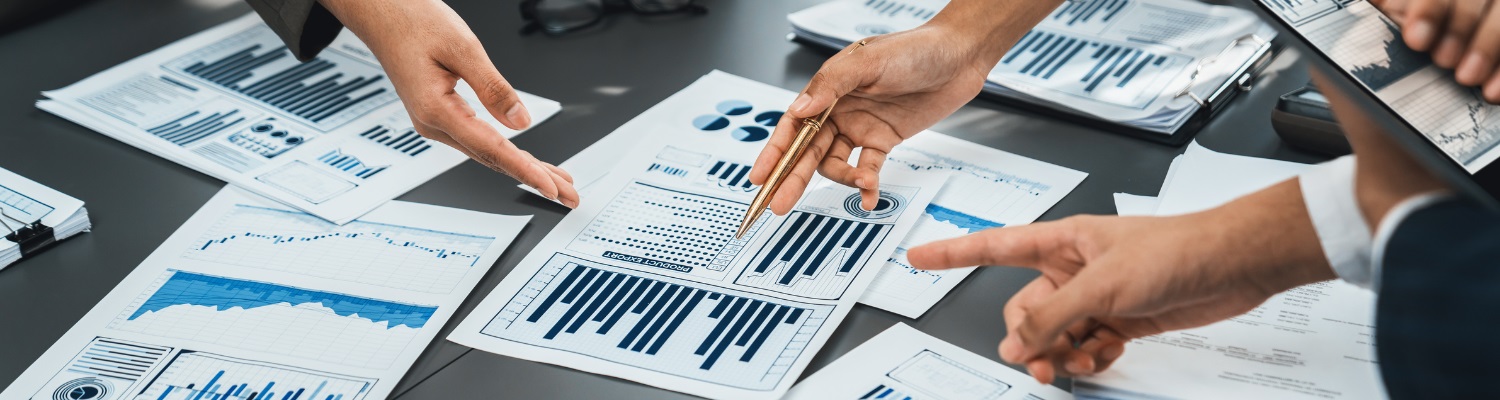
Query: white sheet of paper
x=1312, y=342
x=990, y=188
x=646, y=282
x=329, y=136
x=904, y=363
x=251, y=297
x=1130, y=205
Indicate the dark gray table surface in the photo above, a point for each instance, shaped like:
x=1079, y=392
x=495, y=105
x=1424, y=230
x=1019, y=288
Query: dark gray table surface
x=136, y=200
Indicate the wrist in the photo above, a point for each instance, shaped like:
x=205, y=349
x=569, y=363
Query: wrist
x=1265, y=239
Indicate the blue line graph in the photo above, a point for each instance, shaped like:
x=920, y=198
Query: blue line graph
x=361, y=251
x=657, y=323
x=350, y=164
x=190, y=289
x=22, y=207
x=325, y=92
x=275, y=318
x=962, y=221
x=198, y=376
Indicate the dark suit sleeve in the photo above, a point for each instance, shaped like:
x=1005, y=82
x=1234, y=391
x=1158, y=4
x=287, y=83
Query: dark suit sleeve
x=1439, y=307
x=304, y=25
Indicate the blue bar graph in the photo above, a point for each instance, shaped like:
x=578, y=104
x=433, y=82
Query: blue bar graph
x=350, y=164
x=196, y=125
x=733, y=176
x=1089, y=11
x=884, y=392
x=221, y=294
x=814, y=255
x=195, y=375
x=1096, y=69
x=658, y=323
x=407, y=142
x=666, y=169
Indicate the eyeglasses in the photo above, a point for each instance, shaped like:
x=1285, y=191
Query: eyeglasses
x=556, y=17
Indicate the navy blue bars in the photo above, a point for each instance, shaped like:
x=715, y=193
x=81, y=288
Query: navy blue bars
x=591, y=295
x=314, y=90
x=811, y=240
x=174, y=131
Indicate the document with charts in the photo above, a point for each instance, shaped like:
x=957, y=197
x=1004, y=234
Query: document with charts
x=1360, y=39
x=328, y=136
x=645, y=280
x=903, y=363
x=24, y=203
x=253, y=300
x=989, y=188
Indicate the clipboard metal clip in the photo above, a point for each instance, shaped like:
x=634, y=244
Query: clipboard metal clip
x=1240, y=80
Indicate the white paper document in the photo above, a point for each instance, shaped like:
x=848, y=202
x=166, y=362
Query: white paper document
x=1312, y=342
x=24, y=202
x=1127, y=61
x=645, y=281
x=328, y=136
x=252, y=300
x=989, y=188
x=903, y=363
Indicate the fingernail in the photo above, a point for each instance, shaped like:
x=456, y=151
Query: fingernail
x=1469, y=71
x=571, y=203
x=1420, y=33
x=800, y=103
x=1077, y=368
x=518, y=117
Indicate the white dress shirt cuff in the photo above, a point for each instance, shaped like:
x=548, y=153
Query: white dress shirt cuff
x=1328, y=191
x=1392, y=220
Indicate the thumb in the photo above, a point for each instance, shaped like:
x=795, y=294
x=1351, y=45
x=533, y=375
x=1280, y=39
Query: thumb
x=498, y=96
x=1074, y=301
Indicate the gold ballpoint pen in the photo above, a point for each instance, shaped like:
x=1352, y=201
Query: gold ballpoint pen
x=810, y=128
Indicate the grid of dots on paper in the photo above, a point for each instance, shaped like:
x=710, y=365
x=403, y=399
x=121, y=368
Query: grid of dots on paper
x=752, y=127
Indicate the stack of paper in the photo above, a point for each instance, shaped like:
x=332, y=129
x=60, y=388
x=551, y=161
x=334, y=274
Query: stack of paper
x=253, y=300
x=1311, y=342
x=1126, y=61
x=24, y=202
x=988, y=188
x=328, y=136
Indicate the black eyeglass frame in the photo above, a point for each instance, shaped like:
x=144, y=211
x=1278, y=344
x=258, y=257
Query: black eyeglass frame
x=608, y=7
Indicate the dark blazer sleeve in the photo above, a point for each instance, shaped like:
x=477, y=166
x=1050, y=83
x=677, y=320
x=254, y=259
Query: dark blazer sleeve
x=304, y=25
x=1439, y=306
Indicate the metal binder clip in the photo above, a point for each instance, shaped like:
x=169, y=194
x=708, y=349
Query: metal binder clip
x=1241, y=82
x=31, y=237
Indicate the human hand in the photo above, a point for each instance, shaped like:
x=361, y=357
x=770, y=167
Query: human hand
x=1106, y=280
x=1461, y=35
x=426, y=48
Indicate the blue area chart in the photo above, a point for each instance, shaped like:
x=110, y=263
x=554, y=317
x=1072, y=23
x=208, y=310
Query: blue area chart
x=752, y=128
x=660, y=324
x=190, y=289
x=958, y=219
x=204, y=376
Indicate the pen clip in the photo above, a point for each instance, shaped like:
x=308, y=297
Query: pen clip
x=1198, y=67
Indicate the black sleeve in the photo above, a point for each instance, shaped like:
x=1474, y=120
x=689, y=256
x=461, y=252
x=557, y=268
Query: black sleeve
x=304, y=25
x=1439, y=305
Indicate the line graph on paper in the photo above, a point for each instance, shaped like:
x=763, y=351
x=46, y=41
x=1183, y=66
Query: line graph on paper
x=363, y=252
x=274, y=318
x=661, y=324
x=1369, y=45
x=1454, y=118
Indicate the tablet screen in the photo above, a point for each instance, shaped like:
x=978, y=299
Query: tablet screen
x=1367, y=45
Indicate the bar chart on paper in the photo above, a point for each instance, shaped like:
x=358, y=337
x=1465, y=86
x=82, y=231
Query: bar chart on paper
x=1088, y=14
x=364, y=252
x=660, y=324
x=196, y=376
x=668, y=229
x=814, y=255
x=325, y=93
x=1123, y=74
x=274, y=318
x=405, y=141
